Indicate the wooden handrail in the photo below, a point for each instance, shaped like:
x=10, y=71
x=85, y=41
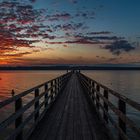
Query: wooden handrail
x=51, y=90
x=93, y=89
x=122, y=97
x=14, y=98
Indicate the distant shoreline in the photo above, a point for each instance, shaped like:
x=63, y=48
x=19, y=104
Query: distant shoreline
x=69, y=68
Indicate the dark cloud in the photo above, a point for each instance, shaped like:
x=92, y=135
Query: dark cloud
x=32, y=0
x=119, y=46
x=60, y=16
x=74, y=1
x=99, y=33
x=78, y=41
x=81, y=39
x=68, y=27
x=85, y=14
x=99, y=37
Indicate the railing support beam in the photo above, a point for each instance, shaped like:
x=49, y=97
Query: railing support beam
x=97, y=96
x=93, y=92
x=105, y=106
x=18, y=121
x=46, y=95
x=122, y=108
x=36, y=104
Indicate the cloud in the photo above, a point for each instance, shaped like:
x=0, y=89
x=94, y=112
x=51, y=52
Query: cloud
x=99, y=33
x=85, y=14
x=32, y=1
x=81, y=39
x=20, y=54
x=74, y=1
x=78, y=41
x=119, y=46
x=68, y=27
x=15, y=24
x=99, y=37
x=60, y=16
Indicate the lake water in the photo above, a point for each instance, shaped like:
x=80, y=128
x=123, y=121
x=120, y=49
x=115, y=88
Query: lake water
x=125, y=82
x=23, y=80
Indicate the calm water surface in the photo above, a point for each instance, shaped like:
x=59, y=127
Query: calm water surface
x=125, y=82
x=23, y=80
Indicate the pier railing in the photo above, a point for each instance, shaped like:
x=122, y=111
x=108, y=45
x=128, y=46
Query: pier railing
x=43, y=97
x=100, y=97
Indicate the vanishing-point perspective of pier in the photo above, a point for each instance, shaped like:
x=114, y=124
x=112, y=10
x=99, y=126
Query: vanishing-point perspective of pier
x=70, y=107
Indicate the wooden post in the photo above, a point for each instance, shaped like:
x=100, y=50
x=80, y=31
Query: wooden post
x=36, y=105
x=18, y=121
x=62, y=78
x=122, y=108
x=51, y=91
x=13, y=93
x=93, y=93
x=105, y=106
x=55, y=87
x=97, y=96
x=90, y=87
x=58, y=84
x=46, y=95
x=88, y=84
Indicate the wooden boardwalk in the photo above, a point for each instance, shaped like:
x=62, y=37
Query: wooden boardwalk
x=70, y=107
x=70, y=118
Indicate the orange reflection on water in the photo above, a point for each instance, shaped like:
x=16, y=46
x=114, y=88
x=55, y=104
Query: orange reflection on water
x=23, y=80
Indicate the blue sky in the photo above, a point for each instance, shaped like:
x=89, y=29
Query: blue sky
x=120, y=16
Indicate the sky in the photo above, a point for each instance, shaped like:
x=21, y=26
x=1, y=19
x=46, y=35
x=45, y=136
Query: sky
x=44, y=32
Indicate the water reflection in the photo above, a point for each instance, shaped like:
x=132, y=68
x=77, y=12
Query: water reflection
x=125, y=82
x=23, y=80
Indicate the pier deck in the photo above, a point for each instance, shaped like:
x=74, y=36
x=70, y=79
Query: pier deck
x=70, y=118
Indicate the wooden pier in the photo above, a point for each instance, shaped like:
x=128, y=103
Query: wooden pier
x=70, y=107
